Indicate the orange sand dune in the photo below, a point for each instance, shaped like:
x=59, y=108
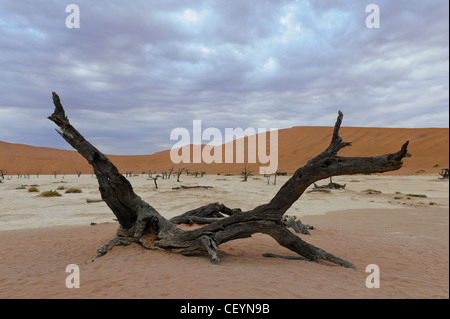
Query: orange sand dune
x=296, y=145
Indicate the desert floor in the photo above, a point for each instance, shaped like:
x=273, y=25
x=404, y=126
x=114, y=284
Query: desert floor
x=374, y=220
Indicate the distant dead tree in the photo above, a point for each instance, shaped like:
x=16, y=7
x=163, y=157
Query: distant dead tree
x=78, y=172
x=179, y=172
x=330, y=185
x=246, y=172
x=3, y=173
x=142, y=224
x=187, y=171
x=169, y=173
x=154, y=180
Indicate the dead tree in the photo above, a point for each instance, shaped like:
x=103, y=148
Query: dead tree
x=155, y=178
x=245, y=173
x=330, y=185
x=140, y=223
x=169, y=173
x=2, y=173
x=179, y=172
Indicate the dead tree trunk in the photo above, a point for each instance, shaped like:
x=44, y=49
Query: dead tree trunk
x=141, y=223
x=205, y=215
x=245, y=173
x=180, y=171
x=154, y=180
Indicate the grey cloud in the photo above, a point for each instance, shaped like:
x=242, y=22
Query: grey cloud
x=134, y=71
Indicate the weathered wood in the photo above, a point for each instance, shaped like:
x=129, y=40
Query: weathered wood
x=205, y=215
x=139, y=219
x=296, y=224
x=192, y=187
x=330, y=185
x=89, y=200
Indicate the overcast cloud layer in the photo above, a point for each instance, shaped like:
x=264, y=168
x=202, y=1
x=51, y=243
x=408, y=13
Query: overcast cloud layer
x=135, y=70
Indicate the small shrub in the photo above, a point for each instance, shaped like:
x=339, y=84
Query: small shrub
x=436, y=165
x=73, y=190
x=60, y=188
x=282, y=173
x=416, y=195
x=397, y=197
x=50, y=193
x=33, y=189
x=432, y=203
x=420, y=171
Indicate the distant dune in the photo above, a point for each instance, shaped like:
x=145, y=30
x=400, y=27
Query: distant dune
x=428, y=146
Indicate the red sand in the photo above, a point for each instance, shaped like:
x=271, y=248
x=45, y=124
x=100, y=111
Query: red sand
x=413, y=261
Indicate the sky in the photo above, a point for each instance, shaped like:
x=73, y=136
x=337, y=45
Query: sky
x=133, y=71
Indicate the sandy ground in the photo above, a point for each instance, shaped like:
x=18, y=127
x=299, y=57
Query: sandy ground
x=407, y=237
